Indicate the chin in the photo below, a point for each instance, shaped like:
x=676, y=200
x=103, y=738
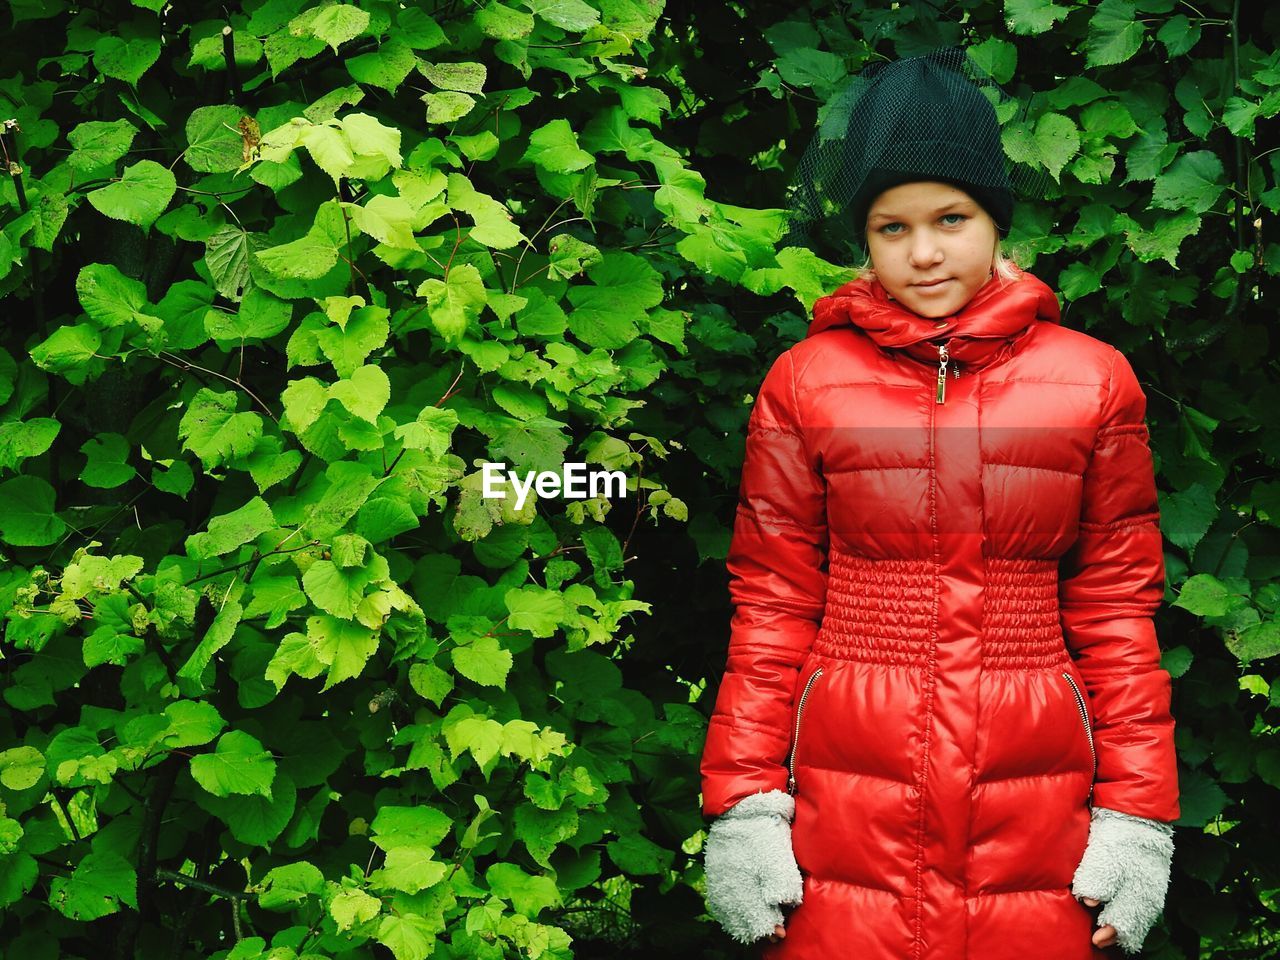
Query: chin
x=932, y=309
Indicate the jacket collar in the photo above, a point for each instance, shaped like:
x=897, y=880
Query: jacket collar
x=982, y=332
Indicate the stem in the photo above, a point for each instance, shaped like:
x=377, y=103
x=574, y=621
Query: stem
x=210, y=888
x=229, y=57
x=182, y=364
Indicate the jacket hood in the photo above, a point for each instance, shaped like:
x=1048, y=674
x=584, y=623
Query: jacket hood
x=982, y=331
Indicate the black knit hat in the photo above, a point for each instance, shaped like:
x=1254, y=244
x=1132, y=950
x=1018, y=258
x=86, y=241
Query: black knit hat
x=932, y=117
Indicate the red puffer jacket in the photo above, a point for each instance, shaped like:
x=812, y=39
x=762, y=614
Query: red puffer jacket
x=942, y=640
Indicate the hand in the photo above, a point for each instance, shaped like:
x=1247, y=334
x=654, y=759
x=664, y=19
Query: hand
x=750, y=868
x=1126, y=866
x=1104, y=936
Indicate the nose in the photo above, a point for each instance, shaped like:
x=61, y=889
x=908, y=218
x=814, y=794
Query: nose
x=925, y=251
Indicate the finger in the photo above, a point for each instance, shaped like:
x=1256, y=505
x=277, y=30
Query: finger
x=1089, y=901
x=780, y=932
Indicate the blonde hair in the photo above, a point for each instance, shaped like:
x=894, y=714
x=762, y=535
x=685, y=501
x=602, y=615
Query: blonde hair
x=1005, y=267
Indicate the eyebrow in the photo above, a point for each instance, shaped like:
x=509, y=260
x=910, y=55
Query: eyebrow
x=953, y=203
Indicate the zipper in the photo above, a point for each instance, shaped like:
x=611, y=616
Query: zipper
x=943, y=360
x=1088, y=728
x=795, y=738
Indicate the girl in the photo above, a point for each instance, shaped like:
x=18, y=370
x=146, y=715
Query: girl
x=943, y=731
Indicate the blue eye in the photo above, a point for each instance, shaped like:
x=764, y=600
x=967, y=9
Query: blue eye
x=885, y=229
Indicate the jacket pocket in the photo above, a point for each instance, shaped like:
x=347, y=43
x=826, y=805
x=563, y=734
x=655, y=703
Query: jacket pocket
x=1082, y=705
x=795, y=734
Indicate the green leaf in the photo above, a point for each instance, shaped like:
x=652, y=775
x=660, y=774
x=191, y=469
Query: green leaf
x=107, y=468
x=479, y=736
x=256, y=821
x=386, y=219
x=534, y=444
x=416, y=826
x=99, y=143
x=227, y=255
x=1185, y=516
x=1179, y=35
x=220, y=633
x=21, y=440
x=68, y=351
x=27, y=517
x=432, y=431
x=447, y=106
x=1200, y=799
x=283, y=888
x=21, y=768
x=229, y=531
x=997, y=57
x=330, y=150
x=123, y=59
x=334, y=24
x=335, y=590
x=342, y=646
x=369, y=137
x=468, y=76
x=215, y=144
x=483, y=661
x=554, y=147
x=386, y=67
x=1193, y=182
x=213, y=430
x=1115, y=33
x=1176, y=661
x=351, y=907
x=638, y=856
x=494, y=226
x=806, y=67
x=108, y=296
x=1053, y=142
x=276, y=597
x=454, y=303
x=501, y=22
x=410, y=869
x=430, y=682
x=270, y=463
x=99, y=885
x=538, y=610
x=573, y=15
x=1258, y=641
x=408, y=936
x=529, y=895
x=239, y=765
x=348, y=345
x=1163, y=240
x=192, y=723
x=261, y=315
x=309, y=257
x=139, y=197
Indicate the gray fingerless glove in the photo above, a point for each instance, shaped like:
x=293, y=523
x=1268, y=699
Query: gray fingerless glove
x=1126, y=866
x=750, y=867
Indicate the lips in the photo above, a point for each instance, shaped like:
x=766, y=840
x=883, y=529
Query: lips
x=932, y=283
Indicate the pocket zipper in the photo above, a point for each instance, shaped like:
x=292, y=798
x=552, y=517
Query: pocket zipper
x=795, y=739
x=1088, y=727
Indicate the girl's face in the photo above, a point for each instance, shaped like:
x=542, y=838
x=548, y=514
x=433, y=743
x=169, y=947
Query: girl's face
x=926, y=230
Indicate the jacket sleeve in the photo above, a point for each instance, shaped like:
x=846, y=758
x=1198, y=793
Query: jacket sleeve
x=1111, y=584
x=777, y=584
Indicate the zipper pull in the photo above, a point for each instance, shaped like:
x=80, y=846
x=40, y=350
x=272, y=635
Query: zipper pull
x=942, y=372
x=791, y=785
